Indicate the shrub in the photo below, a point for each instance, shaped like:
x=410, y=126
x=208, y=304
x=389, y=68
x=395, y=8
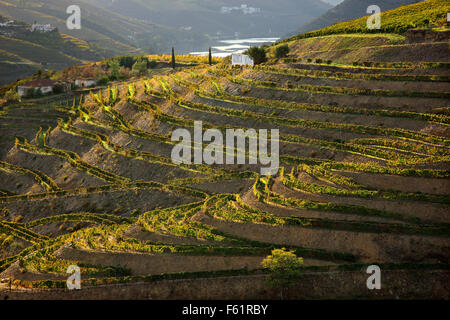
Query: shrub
x=31, y=93
x=58, y=88
x=103, y=81
x=329, y=61
x=127, y=61
x=309, y=60
x=281, y=51
x=152, y=64
x=139, y=67
x=124, y=73
x=284, y=267
x=114, y=67
x=318, y=60
x=38, y=93
x=258, y=54
x=12, y=96
x=135, y=213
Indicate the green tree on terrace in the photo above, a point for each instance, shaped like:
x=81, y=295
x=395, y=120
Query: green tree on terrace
x=258, y=54
x=114, y=67
x=284, y=267
x=139, y=67
x=281, y=51
x=173, y=59
x=127, y=61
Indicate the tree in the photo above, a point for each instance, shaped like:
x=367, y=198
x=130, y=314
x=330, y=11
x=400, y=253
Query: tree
x=127, y=61
x=210, y=57
x=257, y=54
x=139, y=67
x=103, y=81
x=284, y=267
x=281, y=51
x=114, y=67
x=173, y=59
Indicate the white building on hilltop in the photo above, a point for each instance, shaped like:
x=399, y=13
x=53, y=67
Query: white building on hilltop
x=42, y=28
x=238, y=59
x=244, y=8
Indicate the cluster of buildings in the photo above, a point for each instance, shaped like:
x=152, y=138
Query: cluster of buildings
x=35, y=27
x=43, y=28
x=47, y=86
x=244, y=8
x=11, y=28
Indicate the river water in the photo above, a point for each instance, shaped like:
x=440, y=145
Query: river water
x=225, y=48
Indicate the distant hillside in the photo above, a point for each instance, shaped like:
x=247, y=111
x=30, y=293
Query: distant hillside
x=105, y=31
x=249, y=18
x=154, y=26
x=422, y=14
x=23, y=51
x=349, y=10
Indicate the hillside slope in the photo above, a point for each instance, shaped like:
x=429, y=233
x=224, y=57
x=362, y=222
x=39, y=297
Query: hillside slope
x=423, y=14
x=348, y=10
x=24, y=52
x=108, y=32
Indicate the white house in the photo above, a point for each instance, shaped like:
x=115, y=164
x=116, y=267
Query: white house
x=45, y=86
x=86, y=83
x=238, y=59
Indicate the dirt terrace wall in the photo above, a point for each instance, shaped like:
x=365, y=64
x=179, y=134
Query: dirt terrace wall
x=420, y=36
x=143, y=264
x=397, y=284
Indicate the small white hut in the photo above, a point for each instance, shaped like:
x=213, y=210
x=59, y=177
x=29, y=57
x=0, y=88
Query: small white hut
x=238, y=59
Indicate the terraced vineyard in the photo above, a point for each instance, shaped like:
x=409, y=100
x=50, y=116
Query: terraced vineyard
x=364, y=179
